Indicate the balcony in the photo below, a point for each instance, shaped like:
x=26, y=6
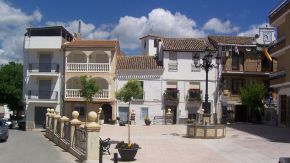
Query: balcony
x=87, y=67
x=42, y=95
x=194, y=95
x=76, y=93
x=43, y=68
x=171, y=96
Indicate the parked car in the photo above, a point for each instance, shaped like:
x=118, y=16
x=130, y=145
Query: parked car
x=4, y=133
x=21, y=124
x=8, y=122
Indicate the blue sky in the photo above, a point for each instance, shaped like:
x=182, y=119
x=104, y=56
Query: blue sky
x=128, y=20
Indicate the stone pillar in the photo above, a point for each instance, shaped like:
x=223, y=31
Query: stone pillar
x=169, y=117
x=74, y=124
x=63, y=120
x=92, y=134
x=47, y=118
x=51, y=115
x=56, y=118
x=99, y=114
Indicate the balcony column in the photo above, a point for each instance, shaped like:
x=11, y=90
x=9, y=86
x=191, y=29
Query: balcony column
x=88, y=61
x=109, y=55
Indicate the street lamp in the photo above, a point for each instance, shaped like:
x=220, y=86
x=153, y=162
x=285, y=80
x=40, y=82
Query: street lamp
x=206, y=65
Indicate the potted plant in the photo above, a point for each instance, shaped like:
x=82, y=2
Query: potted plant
x=190, y=121
x=129, y=91
x=147, y=120
x=127, y=151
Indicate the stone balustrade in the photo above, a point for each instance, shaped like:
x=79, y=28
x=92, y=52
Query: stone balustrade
x=73, y=136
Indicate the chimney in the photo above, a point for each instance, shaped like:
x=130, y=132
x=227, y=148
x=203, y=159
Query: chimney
x=78, y=35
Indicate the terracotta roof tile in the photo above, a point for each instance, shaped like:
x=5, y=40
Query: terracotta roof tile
x=137, y=63
x=92, y=43
x=240, y=40
x=186, y=44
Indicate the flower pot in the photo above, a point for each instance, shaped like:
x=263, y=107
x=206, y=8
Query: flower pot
x=128, y=154
x=147, y=123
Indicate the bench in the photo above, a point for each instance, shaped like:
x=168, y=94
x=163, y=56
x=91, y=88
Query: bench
x=105, y=145
x=159, y=120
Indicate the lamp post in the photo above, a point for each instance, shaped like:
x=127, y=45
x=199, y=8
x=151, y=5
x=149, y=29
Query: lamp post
x=207, y=66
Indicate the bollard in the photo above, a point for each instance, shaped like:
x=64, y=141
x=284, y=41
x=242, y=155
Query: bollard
x=100, y=153
x=115, y=157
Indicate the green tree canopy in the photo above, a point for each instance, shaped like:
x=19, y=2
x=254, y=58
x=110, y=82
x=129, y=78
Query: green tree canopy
x=131, y=89
x=253, y=95
x=89, y=88
x=11, y=85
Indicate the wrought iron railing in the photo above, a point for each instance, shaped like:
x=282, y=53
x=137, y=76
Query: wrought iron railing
x=80, y=139
x=66, y=131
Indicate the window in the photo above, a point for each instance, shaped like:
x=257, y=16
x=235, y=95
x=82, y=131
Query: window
x=235, y=61
x=144, y=44
x=144, y=113
x=172, y=65
x=237, y=84
x=80, y=109
x=141, y=97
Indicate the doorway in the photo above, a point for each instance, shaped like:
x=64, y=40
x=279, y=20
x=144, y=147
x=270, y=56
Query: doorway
x=124, y=113
x=241, y=113
x=283, y=104
x=173, y=111
x=44, y=88
x=107, y=109
x=39, y=116
x=44, y=63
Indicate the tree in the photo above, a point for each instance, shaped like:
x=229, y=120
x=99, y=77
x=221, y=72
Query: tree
x=89, y=89
x=252, y=95
x=11, y=85
x=132, y=89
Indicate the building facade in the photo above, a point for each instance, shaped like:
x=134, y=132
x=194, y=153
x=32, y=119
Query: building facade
x=43, y=72
x=145, y=70
x=96, y=59
x=241, y=65
x=279, y=17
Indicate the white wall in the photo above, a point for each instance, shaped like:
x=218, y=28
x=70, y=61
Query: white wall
x=149, y=50
x=43, y=42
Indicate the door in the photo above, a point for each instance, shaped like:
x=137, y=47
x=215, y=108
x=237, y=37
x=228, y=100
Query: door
x=123, y=113
x=241, y=113
x=39, y=116
x=283, y=104
x=107, y=109
x=44, y=63
x=44, y=89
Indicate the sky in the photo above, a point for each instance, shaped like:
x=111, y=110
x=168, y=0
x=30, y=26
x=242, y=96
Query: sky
x=128, y=20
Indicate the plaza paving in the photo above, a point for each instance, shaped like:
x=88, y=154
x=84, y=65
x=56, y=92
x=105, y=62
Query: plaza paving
x=245, y=143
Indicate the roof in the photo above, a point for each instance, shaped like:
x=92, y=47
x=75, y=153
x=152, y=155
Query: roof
x=92, y=44
x=186, y=44
x=137, y=63
x=151, y=35
x=49, y=31
x=234, y=40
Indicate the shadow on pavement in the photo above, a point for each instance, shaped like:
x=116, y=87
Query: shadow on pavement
x=272, y=133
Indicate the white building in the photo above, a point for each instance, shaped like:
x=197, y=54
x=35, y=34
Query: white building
x=180, y=73
x=43, y=72
x=149, y=73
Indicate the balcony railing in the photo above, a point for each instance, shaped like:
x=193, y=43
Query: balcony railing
x=87, y=67
x=76, y=93
x=42, y=95
x=43, y=67
x=194, y=95
x=171, y=94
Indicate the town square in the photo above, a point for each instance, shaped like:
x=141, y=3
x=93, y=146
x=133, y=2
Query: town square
x=145, y=82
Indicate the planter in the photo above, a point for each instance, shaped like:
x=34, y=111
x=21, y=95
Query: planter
x=147, y=123
x=128, y=154
x=102, y=121
x=122, y=123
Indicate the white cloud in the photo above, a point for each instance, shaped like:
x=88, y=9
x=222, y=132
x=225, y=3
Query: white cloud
x=253, y=29
x=160, y=21
x=218, y=26
x=13, y=23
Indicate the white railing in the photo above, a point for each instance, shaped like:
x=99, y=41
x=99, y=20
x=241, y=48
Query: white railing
x=87, y=67
x=76, y=93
